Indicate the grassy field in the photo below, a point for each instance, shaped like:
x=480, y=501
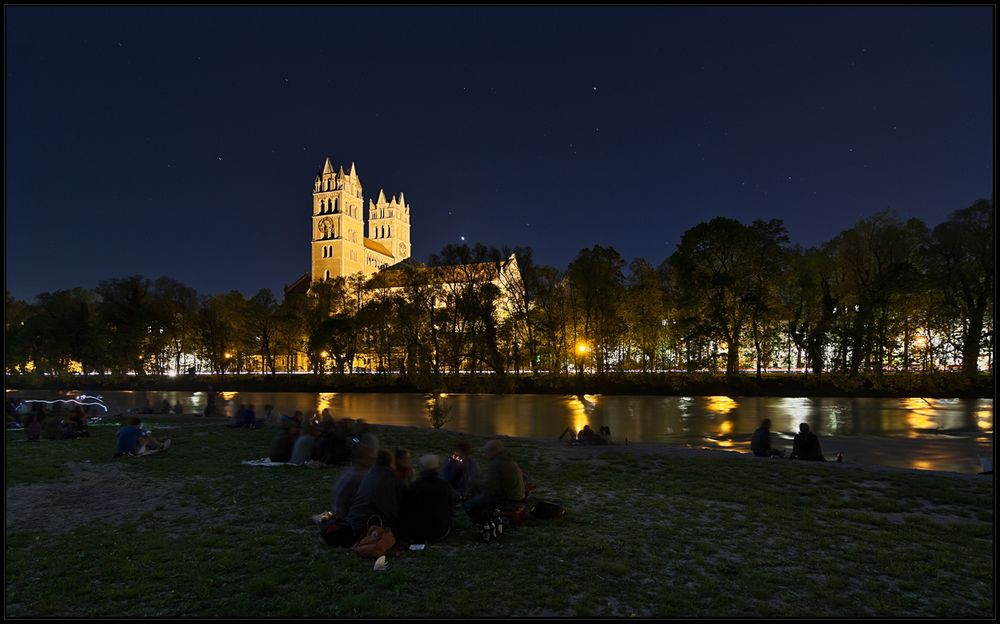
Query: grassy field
x=191, y=532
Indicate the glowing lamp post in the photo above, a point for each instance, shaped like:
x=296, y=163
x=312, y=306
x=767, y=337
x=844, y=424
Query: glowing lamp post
x=581, y=352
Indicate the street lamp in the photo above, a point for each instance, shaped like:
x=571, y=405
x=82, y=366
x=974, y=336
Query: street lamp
x=581, y=350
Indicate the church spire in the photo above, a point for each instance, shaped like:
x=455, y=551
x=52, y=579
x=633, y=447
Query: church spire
x=402, y=202
x=381, y=197
x=328, y=167
x=353, y=173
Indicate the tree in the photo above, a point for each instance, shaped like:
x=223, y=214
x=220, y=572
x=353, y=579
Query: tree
x=177, y=305
x=644, y=310
x=722, y=271
x=336, y=335
x=262, y=323
x=876, y=263
x=809, y=303
x=963, y=251
x=597, y=290
x=127, y=311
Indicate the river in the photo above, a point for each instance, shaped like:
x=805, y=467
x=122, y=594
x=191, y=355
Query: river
x=929, y=434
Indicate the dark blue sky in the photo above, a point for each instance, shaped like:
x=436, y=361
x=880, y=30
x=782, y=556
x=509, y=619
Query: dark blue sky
x=183, y=141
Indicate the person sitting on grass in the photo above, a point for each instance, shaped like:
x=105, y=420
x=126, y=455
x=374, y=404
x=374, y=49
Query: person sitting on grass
x=805, y=446
x=303, y=449
x=272, y=417
x=503, y=483
x=75, y=425
x=429, y=504
x=461, y=470
x=604, y=433
x=586, y=436
x=284, y=442
x=178, y=409
x=331, y=446
x=133, y=440
x=248, y=418
x=33, y=425
x=403, y=464
x=379, y=494
x=237, y=419
x=760, y=443
x=363, y=455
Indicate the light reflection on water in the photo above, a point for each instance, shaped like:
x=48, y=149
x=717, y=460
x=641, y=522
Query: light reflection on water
x=941, y=434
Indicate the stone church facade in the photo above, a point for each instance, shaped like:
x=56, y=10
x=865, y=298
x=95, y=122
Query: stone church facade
x=340, y=247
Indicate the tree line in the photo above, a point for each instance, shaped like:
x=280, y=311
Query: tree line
x=883, y=295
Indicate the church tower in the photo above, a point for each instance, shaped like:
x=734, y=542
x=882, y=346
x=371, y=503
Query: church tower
x=338, y=224
x=389, y=225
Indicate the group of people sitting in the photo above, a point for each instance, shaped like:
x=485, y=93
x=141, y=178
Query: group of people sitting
x=320, y=441
x=245, y=416
x=805, y=445
x=587, y=436
x=418, y=503
x=162, y=407
x=52, y=425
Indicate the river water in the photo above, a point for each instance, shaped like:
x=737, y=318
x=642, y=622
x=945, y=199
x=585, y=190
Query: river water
x=930, y=434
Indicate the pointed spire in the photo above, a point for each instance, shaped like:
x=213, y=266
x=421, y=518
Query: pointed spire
x=353, y=173
x=328, y=167
x=402, y=202
x=340, y=174
x=393, y=202
x=381, y=197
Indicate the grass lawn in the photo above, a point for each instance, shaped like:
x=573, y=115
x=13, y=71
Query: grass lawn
x=191, y=532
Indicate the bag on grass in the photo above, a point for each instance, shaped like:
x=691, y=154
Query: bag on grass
x=547, y=510
x=376, y=541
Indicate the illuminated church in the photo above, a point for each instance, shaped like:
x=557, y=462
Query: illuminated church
x=339, y=244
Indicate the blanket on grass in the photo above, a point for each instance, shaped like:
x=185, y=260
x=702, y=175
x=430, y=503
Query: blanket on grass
x=265, y=461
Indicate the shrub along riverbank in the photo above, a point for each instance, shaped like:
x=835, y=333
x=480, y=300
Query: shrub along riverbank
x=650, y=532
x=936, y=384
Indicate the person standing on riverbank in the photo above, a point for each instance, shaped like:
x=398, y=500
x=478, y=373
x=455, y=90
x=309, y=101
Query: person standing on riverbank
x=760, y=443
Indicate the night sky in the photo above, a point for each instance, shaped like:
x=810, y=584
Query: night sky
x=184, y=141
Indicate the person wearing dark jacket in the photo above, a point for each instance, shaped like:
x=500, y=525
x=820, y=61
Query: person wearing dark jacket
x=806, y=445
x=461, y=470
x=503, y=486
x=429, y=503
x=760, y=443
x=379, y=495
x=284, y=442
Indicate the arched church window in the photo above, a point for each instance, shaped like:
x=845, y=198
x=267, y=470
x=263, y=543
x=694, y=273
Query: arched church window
x=328, y=274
